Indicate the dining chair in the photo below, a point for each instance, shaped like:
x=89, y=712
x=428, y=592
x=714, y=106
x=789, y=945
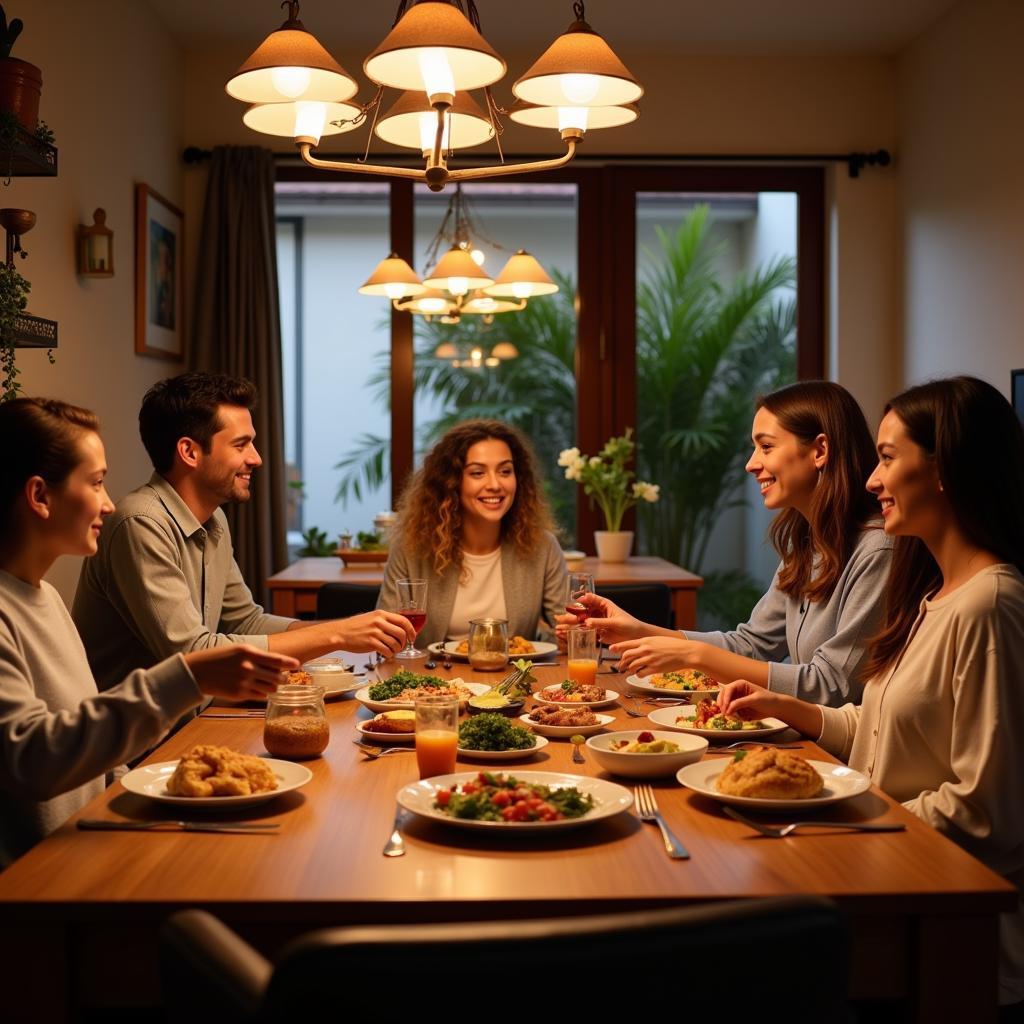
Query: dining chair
x=649, y=602
x=340, y=600
x=725, y=958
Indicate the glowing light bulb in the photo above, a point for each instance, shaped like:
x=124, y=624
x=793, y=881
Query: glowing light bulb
x=485, y=305
x=476, y=355
x=492, y=361
x=394, y=290
x=458, y=285
x=580, y=89
x=433, y=305
x=478, y=257
x=572, y=117
x=436, y=72
x=521, y=289
x=310, y=119
x=428, y=128
x=290, y=82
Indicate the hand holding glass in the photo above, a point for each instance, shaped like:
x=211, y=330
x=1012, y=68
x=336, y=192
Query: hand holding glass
x=580, y=583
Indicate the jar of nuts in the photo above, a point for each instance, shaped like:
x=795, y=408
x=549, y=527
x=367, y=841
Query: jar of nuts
x=296, y=723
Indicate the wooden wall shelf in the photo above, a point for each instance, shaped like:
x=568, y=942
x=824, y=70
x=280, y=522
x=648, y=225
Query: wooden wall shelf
x=30, y=159
x=35, y=332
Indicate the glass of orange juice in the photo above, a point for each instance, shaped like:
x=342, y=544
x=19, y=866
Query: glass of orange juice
x=437, y=734
x=583, y=655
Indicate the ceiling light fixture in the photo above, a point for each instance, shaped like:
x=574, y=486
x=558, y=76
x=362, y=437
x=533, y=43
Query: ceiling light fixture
x=434, y=55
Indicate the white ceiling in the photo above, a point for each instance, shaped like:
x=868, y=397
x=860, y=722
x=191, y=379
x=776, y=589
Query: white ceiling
x=632, y=26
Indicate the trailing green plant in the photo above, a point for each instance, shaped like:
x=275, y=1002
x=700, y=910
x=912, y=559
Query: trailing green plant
x=14, y=291
x=315, y=544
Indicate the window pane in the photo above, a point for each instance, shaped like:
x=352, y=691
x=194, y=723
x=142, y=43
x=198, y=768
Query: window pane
x=536, y=389
x=337, y=387
x=716, y=326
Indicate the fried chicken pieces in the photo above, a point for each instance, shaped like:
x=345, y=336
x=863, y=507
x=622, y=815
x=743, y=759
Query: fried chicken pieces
x=220, y=771
x=771, y=774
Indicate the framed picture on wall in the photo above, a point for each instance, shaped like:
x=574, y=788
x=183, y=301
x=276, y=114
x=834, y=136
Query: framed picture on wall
x=1017, y=392
x=159, y=277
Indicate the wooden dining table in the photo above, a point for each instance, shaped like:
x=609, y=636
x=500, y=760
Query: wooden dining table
x=81, y=910
x=293, y=590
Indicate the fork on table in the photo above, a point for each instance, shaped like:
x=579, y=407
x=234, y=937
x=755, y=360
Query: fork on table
x=780, y=831
x=373, y=752
x=647, y=806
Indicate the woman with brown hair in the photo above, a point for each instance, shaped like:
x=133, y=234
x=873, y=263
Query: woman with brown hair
x=474, y=523
x=812, y=452
x=58, y=734
x=943, y=714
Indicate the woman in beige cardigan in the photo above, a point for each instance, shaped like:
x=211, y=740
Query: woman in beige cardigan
x=474, y=523
x=942, y=721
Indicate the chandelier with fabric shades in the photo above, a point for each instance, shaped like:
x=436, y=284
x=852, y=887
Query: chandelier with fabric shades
x=435, y=57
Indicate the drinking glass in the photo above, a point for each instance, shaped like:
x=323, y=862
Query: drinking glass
x=580, y=583
x=412, y=603
x=437, y=734
x=488, y=644
x=583, y=655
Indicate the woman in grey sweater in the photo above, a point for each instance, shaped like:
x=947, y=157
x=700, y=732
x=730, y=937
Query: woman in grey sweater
x=812, y=453
x=58, y=734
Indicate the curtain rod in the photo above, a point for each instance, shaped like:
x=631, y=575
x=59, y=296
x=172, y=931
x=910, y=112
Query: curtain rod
x=855, y=162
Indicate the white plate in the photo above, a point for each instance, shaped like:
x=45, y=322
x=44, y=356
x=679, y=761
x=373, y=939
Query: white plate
x=565, y=731
x=384, y=737
x=610, y=697
x=841, y=783
x=691, y=696
x=151, y=780
x=609, y=799
x=503, y=755
x=363, y=696
x=541, y=649
x=666, y=718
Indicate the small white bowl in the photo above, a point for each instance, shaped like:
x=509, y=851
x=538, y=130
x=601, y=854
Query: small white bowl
x=646, y=766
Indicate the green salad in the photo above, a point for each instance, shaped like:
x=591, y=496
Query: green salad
x=403, y=679
x=494, y=732
x=491, y=797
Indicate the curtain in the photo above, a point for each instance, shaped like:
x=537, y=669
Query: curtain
x=237, y=330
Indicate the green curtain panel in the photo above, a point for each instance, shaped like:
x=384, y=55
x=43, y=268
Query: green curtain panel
x=237, y=330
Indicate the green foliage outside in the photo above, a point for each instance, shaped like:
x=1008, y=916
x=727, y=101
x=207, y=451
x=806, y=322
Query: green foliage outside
x=706, y=347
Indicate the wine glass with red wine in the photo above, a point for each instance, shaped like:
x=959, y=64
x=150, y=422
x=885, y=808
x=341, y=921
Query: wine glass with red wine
x=412, y=603
x=580, y=583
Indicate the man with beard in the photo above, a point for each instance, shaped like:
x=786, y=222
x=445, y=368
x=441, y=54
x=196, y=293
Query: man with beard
x=164, y=579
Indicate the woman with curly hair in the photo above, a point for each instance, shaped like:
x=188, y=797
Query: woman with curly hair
x=474, y=523
x=808, y=635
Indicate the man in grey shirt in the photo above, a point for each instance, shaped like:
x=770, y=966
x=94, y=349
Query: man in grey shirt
x=164, y=579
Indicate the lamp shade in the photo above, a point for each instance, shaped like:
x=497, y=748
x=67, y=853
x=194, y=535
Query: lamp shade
x=521, y=278
x=306, y=118
x=505, y=350
x=458, y=273
x=483, y=304
x=588, y=118
x=394, y=278
x=434, y=49
x=412, y=122
x=431, y=302
x=291, y=65
x=579, y=69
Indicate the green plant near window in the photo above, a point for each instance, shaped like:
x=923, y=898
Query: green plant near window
x=536, y=391
x=315, y=544
x=705, y=348
x=14, y=291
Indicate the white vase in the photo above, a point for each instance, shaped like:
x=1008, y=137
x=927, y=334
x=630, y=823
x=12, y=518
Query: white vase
x=613, y=545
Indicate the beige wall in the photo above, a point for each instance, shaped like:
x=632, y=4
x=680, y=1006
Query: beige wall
x=961, y=91
x=712, y=105
x=112, y=88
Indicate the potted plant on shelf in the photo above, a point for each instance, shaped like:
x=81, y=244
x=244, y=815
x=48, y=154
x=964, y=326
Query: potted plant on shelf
x=21, y=83
x=607, y=481
x=14, y=291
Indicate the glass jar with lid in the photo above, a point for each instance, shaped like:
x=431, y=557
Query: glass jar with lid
x=488, y=644
x=296, y=723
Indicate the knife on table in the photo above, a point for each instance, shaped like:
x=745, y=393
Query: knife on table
x=244, y=827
